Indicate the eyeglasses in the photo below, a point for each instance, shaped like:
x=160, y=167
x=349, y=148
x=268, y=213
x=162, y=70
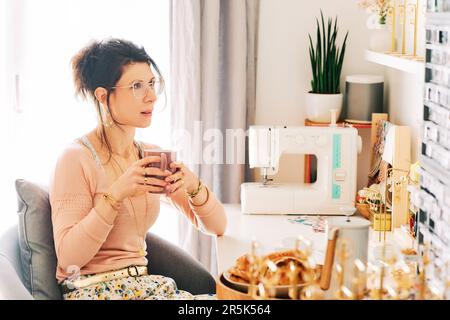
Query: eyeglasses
x=140, y=88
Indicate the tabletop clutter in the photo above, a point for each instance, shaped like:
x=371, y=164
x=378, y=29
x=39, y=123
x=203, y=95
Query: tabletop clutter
x=394, y=203
x=355, y=267
x=292, y=273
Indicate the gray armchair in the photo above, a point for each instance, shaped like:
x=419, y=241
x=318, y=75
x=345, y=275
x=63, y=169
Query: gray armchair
x=16, y=273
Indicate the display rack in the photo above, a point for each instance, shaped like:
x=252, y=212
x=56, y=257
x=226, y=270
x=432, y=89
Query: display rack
x=434, y=199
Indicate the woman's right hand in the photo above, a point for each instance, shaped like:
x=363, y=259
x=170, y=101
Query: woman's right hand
x=139, y=179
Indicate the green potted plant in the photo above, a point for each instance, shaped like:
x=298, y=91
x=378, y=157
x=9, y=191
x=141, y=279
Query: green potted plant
x=326, y=64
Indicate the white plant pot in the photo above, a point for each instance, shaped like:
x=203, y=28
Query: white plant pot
x=319, y=106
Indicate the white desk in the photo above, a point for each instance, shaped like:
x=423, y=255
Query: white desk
x=270, y=230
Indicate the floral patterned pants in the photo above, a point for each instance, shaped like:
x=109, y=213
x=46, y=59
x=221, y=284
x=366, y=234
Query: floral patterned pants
x=145, y=287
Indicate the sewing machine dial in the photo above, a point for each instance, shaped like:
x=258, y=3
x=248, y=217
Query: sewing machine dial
x=359, y=144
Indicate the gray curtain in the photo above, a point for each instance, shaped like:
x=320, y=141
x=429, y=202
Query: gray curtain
x=213, y=86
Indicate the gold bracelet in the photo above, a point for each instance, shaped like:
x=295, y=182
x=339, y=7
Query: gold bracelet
x=196, y=192
x=111, y=201
x=207, y=198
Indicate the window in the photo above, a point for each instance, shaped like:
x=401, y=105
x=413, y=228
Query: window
x=39, y=107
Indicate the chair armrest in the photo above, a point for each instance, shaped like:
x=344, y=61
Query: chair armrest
x=11, y=288
x=9, y=248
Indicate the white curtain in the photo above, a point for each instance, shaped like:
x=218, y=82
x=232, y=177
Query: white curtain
x=213, y=72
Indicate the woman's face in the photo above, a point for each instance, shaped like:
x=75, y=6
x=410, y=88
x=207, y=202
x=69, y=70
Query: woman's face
x=132, y=101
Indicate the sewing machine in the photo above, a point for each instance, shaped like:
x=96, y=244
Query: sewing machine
x=334, y=191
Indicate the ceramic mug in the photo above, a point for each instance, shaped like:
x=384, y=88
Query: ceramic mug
x=167, y=157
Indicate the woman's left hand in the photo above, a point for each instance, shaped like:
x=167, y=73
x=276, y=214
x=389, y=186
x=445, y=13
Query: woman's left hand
x=182, y=178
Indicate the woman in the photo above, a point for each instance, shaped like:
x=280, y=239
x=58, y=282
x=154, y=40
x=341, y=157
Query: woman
x=104, y=194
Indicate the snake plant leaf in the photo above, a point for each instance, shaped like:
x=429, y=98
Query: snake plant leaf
x=326, y=57
x=319, y=58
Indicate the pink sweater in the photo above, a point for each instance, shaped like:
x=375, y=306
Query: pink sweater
x=87, y=243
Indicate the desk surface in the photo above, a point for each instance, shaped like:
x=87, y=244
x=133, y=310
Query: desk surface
x=268, y=230
x=271, y=230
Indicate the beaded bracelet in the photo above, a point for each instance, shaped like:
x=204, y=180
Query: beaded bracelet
x=112, y=202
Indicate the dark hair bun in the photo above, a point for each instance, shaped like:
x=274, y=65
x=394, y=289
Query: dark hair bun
x=83, y=66
x=100, y=64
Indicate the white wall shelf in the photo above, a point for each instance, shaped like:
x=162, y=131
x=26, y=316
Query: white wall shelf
x=395, y=62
